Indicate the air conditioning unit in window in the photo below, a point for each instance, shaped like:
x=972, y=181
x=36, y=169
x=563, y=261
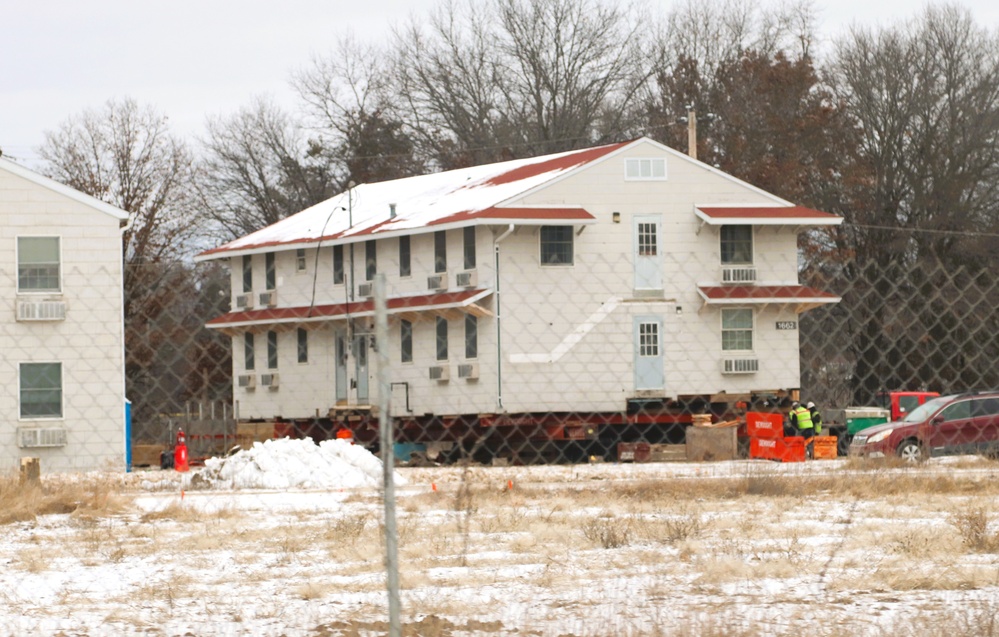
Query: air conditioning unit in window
x=740, y=365
x=30, y=310
x=268, y=298
x=437, y=282
x=467, y=279
x=365, y=289
x=28, y=437
x=247, y=381
x=244, y=301
x=269, y=380
x=737, y=275
x=440, y=372
x=468, y=370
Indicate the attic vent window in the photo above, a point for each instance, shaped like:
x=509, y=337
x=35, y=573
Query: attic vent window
x=645, y=169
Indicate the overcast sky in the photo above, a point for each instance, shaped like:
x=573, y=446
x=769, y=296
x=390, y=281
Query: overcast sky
x=194, y=58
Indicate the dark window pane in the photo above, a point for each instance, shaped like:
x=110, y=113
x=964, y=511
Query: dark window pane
x=471, y=336
x=303, y=346
x=556, y=245
x=469, y=244
x=440, y=251
x=404, y=258
x=441, y=339
x=406, y=337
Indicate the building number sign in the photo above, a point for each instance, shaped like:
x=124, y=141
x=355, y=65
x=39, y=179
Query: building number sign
x=787, y=325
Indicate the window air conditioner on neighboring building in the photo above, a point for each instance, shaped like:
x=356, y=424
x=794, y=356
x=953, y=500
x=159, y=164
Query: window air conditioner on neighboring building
x=268, y=298
x=468, y=370
x=440, y=372
x=244, y=301
x=436, y=282
x=740, y=365
x=269, y=380
x=247, y=381
x=31, y=310
x=365, y=289
x=739, y=274
x=467, y=279
x=37, y=437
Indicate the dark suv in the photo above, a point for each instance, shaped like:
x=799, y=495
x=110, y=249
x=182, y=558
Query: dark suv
x=959, y=424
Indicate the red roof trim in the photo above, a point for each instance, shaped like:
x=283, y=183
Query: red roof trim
x=764, y=212
x=365, y=306
x=751, y=293
x=564, y=162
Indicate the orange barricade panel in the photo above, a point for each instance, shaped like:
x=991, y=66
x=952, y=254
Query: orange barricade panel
x=824, y=448
x=793, y=449
x=762, y=425
x=766, y=448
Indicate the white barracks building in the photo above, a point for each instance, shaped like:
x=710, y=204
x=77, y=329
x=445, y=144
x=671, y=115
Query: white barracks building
x=596, y=294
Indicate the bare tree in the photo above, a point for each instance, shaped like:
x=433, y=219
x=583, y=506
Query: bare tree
x=261, y=167
x=519, y=77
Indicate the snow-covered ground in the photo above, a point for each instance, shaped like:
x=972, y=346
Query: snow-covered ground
x=285, y=539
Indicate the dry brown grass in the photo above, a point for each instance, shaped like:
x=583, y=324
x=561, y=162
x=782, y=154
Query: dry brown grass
x=91, y=496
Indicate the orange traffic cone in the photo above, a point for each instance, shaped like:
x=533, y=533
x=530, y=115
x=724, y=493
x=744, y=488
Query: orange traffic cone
x=180, y=462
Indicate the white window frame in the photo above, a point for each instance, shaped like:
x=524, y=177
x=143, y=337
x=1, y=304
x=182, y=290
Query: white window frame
x=751, y=329
x=645, y=169
x=62, y=393
x=301, y=264
x=650, y=341
x=17, y=262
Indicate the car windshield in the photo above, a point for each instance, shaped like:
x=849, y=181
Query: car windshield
x=921, y=413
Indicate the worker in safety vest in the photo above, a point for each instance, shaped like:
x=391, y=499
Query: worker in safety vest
x=801, y=419
x=816, y=418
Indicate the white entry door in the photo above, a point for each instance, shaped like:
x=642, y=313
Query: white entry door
x=361, y=367
x=340, y=353
x=650, y=373
x=648, y=252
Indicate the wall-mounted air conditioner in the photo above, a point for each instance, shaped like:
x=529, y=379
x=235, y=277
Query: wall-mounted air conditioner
x=244, y=301
x=467, y=279
x=269, y=380
x=440, y=372
x=365, y=289
x=268, y=298
x=28, y=437
x=740, y=365
x=32, y=310
x=247, y=381
x=437, y=282
x=737, y=275
x=468, y=370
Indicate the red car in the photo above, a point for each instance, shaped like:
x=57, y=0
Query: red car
x=959, y=424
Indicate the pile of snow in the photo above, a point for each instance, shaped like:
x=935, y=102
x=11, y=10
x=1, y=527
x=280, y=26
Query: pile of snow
x=286, y=463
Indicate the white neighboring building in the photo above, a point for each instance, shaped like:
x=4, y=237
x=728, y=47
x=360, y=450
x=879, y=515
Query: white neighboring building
x=583, y=282
x=62, y=376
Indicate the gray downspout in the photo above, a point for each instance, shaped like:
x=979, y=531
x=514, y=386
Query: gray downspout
x=499, y=331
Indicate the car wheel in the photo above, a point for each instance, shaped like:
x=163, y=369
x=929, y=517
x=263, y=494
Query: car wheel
x=911, y=451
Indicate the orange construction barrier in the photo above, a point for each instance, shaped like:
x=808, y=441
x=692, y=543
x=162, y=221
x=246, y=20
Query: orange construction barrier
x=763, y=425
x=824, y=448
x=180, y=461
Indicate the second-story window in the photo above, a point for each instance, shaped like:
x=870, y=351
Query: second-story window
x=441, y=338
x=556, y=245
x=440, y=251
x=469, y=247
x=406, y=340
x=248, y=354
x=247, y=273
x=270, y=272
x=38, y=264
x=737, y=330
x=737, y=245
x=370, y=260
x=303, y=346
x=405, y=267
x=338, y=265
x=300, y=264
x=272, y=352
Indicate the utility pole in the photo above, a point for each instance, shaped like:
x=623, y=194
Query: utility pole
x=691, y=132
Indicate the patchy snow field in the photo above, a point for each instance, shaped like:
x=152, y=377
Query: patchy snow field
x=285, y=539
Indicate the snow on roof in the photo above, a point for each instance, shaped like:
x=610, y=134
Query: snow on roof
x=455, y=196
x=287, y=463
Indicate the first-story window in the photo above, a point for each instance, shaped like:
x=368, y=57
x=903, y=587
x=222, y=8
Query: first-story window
x=441, y=338
x=272, y=353
x=248, y=361
x=556, y=245
x=737, y=330
x=406, y=340
x=38, y=264
x=648, y=339
x=303, y=346
x=471, y=336
x=41, y=390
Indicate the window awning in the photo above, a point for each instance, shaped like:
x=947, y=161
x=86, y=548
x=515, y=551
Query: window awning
x=806, y=298
x=721, y=215
x=411, y=308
